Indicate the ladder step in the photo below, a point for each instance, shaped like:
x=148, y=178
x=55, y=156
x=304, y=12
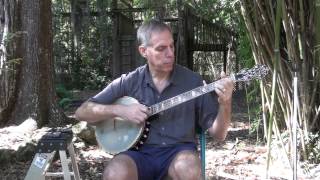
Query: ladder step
x=48, y=145
x=57, y=174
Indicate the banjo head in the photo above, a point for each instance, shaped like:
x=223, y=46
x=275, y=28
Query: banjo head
x=117, y=135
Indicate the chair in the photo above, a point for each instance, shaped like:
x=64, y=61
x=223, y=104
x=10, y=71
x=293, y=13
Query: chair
x=202, y=144
x=203, y=153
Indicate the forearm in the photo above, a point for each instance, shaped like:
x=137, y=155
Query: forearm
x=93, y=112
x=219, y=129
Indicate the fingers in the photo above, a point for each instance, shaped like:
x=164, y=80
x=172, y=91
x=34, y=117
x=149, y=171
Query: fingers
x=145, y=109
x=223, y=74
x=224, y=88
x=137, y=113
x=204, y=82
x=225, y=84
x=140, y=118
x=220, y=89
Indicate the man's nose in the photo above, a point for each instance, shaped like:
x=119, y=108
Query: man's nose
x=170, y=51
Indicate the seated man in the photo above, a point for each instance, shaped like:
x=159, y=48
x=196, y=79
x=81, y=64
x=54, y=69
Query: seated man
x=170, y=149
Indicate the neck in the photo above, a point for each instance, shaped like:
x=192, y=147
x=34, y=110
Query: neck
x=159, y=75
x=160, y=80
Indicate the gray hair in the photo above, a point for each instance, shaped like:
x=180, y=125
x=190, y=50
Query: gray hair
x=147, y=28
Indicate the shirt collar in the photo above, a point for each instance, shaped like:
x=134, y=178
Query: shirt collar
x=147, y=76
x=148, y=79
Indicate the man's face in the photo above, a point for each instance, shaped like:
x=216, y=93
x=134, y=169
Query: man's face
x=160, y=52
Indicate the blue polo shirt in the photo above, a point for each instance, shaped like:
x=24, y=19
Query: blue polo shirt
x=172, y=126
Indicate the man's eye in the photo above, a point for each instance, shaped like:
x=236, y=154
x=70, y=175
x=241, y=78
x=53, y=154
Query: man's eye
x=160, y=49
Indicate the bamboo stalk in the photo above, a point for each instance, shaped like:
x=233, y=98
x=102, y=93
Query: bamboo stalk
x=270, y=124
x=299, y=43
x=274, y=83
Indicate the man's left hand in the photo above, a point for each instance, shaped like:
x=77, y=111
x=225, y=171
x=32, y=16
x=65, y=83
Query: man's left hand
x=224, y=89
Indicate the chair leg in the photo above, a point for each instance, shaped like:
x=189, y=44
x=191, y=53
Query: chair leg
x=203, y=154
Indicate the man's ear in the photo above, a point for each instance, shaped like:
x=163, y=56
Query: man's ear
x=142, y=51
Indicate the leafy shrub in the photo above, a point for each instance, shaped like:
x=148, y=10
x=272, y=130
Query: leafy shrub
x=65, y=96
x=65, y=103
x=62, y=92
x=313, y=148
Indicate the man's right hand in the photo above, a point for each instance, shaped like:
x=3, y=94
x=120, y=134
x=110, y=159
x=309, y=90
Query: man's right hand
x=136, y=113
x=94, y=112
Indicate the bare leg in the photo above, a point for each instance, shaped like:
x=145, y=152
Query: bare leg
x=185, y=166
x=121, y=167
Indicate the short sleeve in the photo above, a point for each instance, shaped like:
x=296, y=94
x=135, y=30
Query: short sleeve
x=113, y=91
x=207, y=110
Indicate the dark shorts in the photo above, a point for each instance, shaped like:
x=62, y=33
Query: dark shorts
x=153, y=162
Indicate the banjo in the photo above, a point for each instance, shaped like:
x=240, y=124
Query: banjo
x=117, y=135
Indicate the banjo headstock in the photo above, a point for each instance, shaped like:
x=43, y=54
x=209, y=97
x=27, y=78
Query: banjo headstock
x=259, y=71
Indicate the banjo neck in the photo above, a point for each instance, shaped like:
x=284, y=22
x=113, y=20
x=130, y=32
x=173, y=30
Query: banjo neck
x=181, y=98
x=245, y=75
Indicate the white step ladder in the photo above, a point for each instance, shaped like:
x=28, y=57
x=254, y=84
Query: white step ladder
x=48, y=146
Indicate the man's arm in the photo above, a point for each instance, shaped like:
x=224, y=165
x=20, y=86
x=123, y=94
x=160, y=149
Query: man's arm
x=224, y=89
x=219, y=129
x=93, y=112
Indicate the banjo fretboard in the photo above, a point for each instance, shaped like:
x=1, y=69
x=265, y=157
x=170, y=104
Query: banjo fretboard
x=257, y=72
x=181, y=98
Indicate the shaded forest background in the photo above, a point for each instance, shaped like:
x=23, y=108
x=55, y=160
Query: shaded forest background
x=50, y=50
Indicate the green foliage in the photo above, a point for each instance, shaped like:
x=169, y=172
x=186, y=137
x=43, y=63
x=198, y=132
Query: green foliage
x=84, y=65
x=65, y=103
x=151, y=3
x=253, y=96
x=8, y=65
x=65, y=96
x=244, y=53
x=313, y=148
x=10, y=59
x=89, y=65
x=254, y=109
x=244, y=50
x=219, y=11
x=10, y=36
x=255, y=120
x=311, y=142
x=62, y=92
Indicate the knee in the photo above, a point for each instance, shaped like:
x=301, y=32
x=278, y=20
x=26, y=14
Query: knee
x=119, y=169
x=191, y=166
x=186, y=162
x=111, y=172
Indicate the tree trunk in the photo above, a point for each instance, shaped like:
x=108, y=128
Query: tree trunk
x=33, y=93
x=10, y=59
x=103, y=30
x=80, y=27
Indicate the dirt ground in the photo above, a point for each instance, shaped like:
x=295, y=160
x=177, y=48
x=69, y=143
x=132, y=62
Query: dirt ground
x=241, y=156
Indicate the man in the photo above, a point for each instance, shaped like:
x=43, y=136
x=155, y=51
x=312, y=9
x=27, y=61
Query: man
x=170, y=149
